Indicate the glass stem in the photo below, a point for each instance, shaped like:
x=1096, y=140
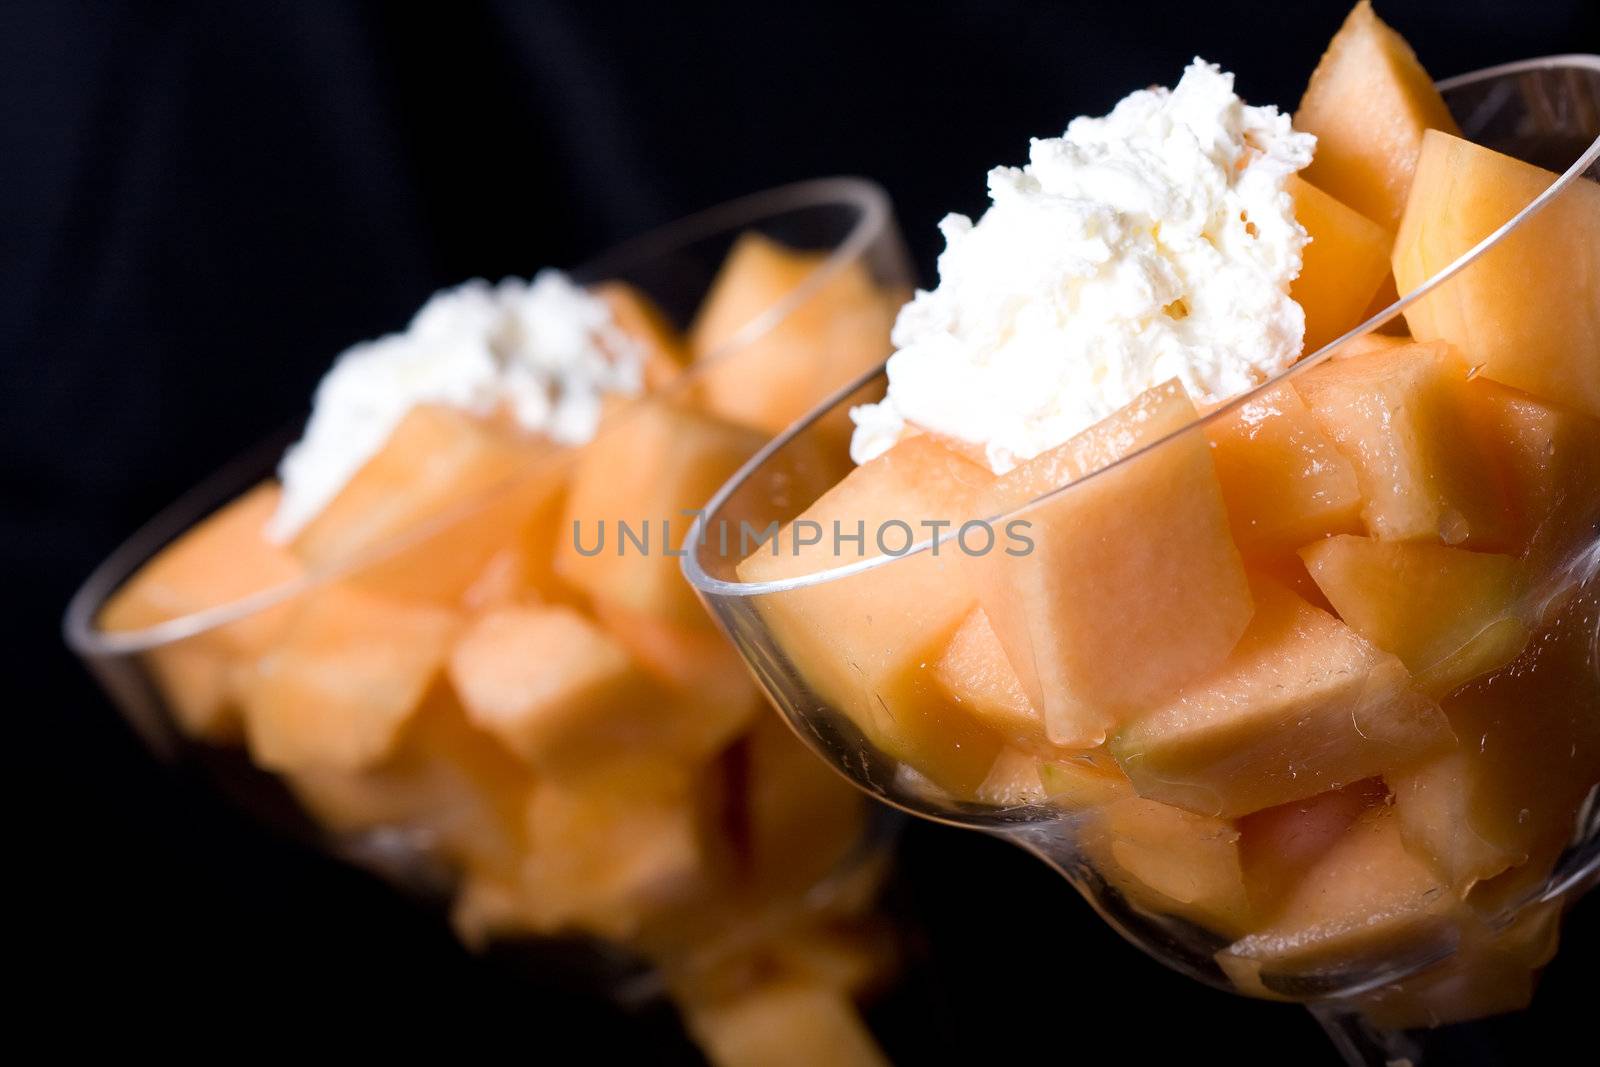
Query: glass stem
x=1360, y=1043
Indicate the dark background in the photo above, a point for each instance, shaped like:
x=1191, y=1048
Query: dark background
x=200, y=204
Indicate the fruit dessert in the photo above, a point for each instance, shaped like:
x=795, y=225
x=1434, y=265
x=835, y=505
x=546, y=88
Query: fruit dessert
x=1300, y=652
x=454, y=627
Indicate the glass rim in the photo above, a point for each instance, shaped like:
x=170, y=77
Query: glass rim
x=694, y=570
x=80, y=629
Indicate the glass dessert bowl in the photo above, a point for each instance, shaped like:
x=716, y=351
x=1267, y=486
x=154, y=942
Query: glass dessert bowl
x=1301, y=690
x=466, y=658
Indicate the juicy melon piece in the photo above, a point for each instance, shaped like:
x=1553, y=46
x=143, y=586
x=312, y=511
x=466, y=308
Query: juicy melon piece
x=1133, y=585
x=447, y=782
x=1278, y=846
x=1072, y=783
x=1283, y=480
x=866, y=644
x=1526, y=311
x=1548, y=457
x=555, y=689
x=1530, y=754
x=1400, y=416
x=1303, y=705
x=1342, y=267
x=973, y=673
x=801, y=817
x=350, y=671
x=1368, y=102
x=437, y=462
x=224, y=558
x=664, y=351
x=1364, y=901
x=1171, y=861
x=1372, y=341
x=767, y=374
x=631, y=503
x=785, y=1024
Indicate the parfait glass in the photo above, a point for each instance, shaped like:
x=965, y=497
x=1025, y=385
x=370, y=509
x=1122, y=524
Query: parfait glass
x=1437, y=950
x=156, y=676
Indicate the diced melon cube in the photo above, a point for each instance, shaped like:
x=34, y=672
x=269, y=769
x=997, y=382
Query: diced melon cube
x=1527, y=310
x=866, y=644
x=1342, y=267
x=1449, y=614
x=1070, y=782
x=1530, y=754
x=632, y=501
x=765, y=373
x=1400, y=416
x=1302, y=706
x=783, y=1025
x=661, y=347
x=801, y=817
x=1372, y=341
x=1365, y=901
x=555, y=689
x=201, y=687
x=439, y=462
x=974, y=673
x=1171, y=861
x=1279, y=846
x=1283, y=480
x=1133, y=584
x=1368, y=103
x=349, y=672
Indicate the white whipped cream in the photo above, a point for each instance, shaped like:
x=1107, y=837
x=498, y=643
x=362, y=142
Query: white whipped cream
x=545, y=351
x=1155, y=243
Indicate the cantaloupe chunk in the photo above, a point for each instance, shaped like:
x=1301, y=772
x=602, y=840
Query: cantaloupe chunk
x=337, y=689
x=664, y=351
x=1171, y=861
x=222, y=559
x=1365, y=901
x=1548, y=458
x=1072, y=783
x=974, y=674
x=448, y=785
x=556, y=690
x=1527, y=310
x=1302, y=706
x=1530, y=754
x=1283, y=480
x=1372, y=341
x=783, y=1025
x=1368, y=102
x=1401, y=417
x=866, y=644
x=1279, y=846
x=1133, y=585
x=438, y=462
x=631, y=504
x=765, y=373
x=801, y=817
x=1342, y=267
x=1449, y=614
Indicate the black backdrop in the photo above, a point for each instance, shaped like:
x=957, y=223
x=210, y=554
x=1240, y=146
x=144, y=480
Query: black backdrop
x=201, y=203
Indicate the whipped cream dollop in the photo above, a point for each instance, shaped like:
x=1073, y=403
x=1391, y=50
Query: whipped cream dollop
x=1157, y=242
x=544, y=352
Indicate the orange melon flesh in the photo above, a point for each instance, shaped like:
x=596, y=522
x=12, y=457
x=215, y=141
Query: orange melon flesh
x=1400, y=416
x=555, y=689
x=631, y=501
x=866, y=644
x=663, y=349
x=786, y=1024
x=1548, y=457
x=1530, y=754
x=436, y=462
x=974, y=674
x=1526, y=312
x=1072, y=783
x=1278, y=846
x=801, y=817
x=1342, y=267
x=1171, y=861
x=1133, y=585
x=1302, y=706
x=351, y=670
x=1365, y=901
x=1368, y=102
x=1372, y=341
x=768, y=377
x=1283, y=480
x=201, y=687
x=1449, y=614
